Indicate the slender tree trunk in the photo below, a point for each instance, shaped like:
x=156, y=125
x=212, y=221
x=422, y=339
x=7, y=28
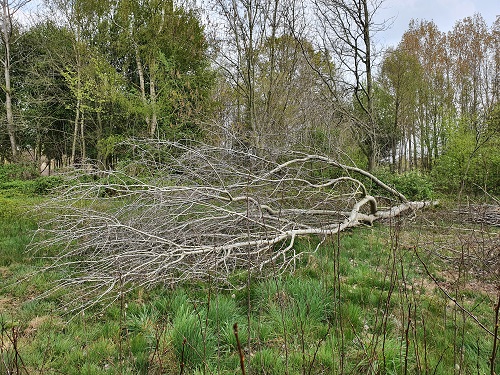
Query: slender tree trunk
x=402, y=152
x=10, y=115
x=38, y=150
x=6, y=36
x=79, y=95
x=270, y=114
x=82, y=136
x=142, y=83
x=250, y=77
x=75, y=132
x=394, y=139
x=372, y=158
x=153, y=125
x=414, y=163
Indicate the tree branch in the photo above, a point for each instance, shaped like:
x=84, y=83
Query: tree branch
x=204, y=211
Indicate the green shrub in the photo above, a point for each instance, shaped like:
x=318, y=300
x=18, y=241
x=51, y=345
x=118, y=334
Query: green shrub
x=460, y=167
x=470, y=161
x=45, y=184
x=268, y=361
x=193, y=343
x=10, y=209
x=39, y=186
x=12, y=172
x=414, y=185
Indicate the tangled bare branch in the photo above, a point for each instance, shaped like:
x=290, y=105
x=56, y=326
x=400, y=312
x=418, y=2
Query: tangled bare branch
x=185, y=212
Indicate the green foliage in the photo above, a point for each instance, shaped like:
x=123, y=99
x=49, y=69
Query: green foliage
x=46, y=184
x=414, y=185
x=24, y=180
x=40, y=186
x=10, y=208
x=186, y=89
x=194, y=344
x=267, y=361
x=42, y=52
x=470, y=161
x=98, y=75
x=12, y=172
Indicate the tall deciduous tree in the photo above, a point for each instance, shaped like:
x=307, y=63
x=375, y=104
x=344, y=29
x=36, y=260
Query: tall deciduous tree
x=256, y=34
x=75, y=16
x=43, y=52
x=434, y=108
x=245, y=28
x=495, y=60
x=401, y=77
x=291, y=104
x=137, y=68
x=346, y=29
x=469, y=46
x=162, y=50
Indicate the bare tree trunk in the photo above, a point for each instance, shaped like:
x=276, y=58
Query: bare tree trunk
x=10, y=117
x=269, y=113
x=402, y=152
x=75, y=131
x=249, y=53
x=346, y=30
x=414, y=163
x=394, y=142
x=142, y=83
x=6, y=36
x=153, y=125
x=82, y=135
x=372, y=158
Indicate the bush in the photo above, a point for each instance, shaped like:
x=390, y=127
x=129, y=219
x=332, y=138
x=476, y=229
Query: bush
x=45, y=184
x=12, y=172
x=11, y=209
x=476, y=171
x=39, y=186
x=413, y=185
x=192, y=345
x=470, y=161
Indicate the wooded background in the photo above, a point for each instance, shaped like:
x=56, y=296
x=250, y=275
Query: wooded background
x=81, y=76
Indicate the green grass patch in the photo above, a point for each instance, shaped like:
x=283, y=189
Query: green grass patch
x=367, y=307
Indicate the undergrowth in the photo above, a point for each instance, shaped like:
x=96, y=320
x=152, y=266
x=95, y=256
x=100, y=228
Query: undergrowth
x=398, y=298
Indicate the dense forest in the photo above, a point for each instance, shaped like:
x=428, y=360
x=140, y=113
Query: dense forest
x=81, y=76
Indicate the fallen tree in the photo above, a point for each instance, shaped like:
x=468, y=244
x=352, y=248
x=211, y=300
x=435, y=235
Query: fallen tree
x=190, y=212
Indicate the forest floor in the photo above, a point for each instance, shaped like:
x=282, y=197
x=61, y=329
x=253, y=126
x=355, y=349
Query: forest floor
x=415, y=295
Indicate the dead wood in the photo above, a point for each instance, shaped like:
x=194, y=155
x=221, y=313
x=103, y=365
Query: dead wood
x=189, y=212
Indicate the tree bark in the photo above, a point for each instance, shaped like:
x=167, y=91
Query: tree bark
x=6, y=36
x=153, y=125
x=75, y=131
x=142, y=84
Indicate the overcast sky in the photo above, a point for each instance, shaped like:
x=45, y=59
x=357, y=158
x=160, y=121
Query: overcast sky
x=444, y=13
